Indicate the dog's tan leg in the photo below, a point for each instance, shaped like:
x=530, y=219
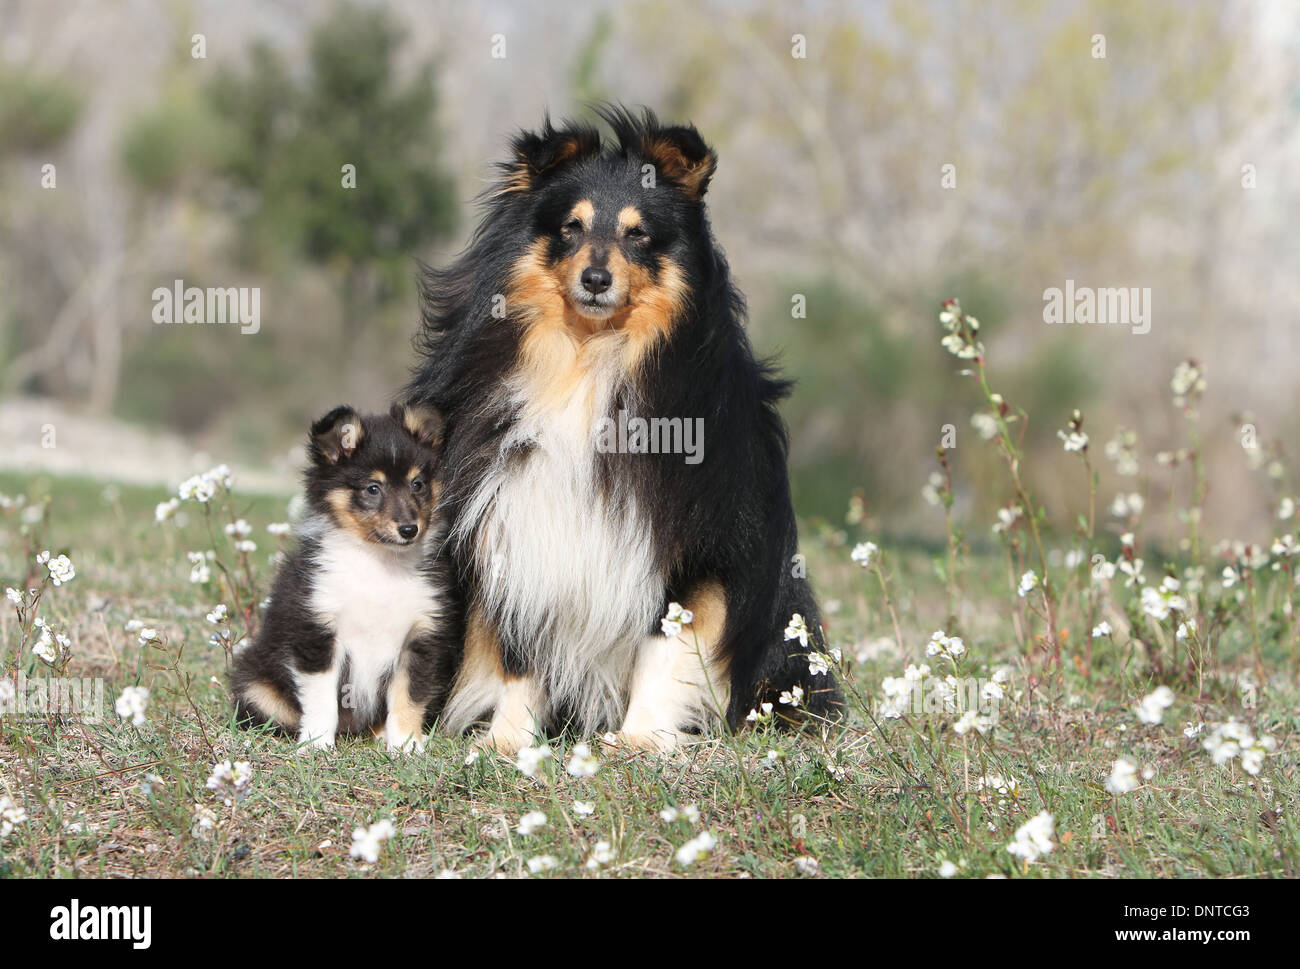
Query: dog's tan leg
x=484, y=689
x=515, y=723
x=404, y=728
x=679, y=681
x=267, y=701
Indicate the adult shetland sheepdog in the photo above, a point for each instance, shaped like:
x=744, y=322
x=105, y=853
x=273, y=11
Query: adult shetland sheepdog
x=363, y=628
x=593, y=297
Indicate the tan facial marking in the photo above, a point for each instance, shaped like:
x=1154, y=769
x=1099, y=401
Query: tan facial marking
x=560, y=345
x=654, y=307
x=585, y=213
x=628, y=217
x=340, y=502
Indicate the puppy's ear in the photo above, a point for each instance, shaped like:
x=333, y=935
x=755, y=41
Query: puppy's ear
x=422, y=422
x=335, y=436
x=538, y=155
x=682, y=157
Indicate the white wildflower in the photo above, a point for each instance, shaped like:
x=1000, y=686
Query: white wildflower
x=1075, y=441
x=61, y=570
x=367, y=842
x=200, y=572
x=531, y=822
x=601, y=854
x=239, y=529
x=676, y=618
x=1123, y=777
x=985, y=424
x=1028, y=583
x=583, y=763
x=1154, y=704
x=12, y=814
x=133, y=704
x=863, y=553
x=530, y=759
x=543, y=863
x=230, y=779
x=1033, y=839
x=698, y=847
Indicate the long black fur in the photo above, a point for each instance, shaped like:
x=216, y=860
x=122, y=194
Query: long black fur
x=729, y=517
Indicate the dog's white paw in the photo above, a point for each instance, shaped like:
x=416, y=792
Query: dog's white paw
x=653, y=741
x=399, y=743
x=310, y=744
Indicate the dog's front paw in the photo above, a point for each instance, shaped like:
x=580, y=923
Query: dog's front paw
x=507, y=743
x=309, y=744
x=652, y=741
x=403, y=743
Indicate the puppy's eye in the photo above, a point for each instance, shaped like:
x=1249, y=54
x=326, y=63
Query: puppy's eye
x=417, y=486
x=571, y=228
x=372, y=489
x=637, y=234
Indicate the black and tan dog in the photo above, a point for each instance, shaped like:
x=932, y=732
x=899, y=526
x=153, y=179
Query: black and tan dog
x=363, y=627
x=613, y=446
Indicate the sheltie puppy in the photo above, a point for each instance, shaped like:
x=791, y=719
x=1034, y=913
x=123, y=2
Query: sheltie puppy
x=612, y=447
x=362, y=628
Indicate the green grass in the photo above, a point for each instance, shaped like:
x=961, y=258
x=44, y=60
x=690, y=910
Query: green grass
x=901, y=797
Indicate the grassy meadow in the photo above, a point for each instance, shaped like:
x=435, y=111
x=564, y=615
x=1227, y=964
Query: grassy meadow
x=1091, y=708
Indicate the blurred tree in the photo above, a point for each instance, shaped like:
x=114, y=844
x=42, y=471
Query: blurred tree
x=294, y=135
x=35, y=113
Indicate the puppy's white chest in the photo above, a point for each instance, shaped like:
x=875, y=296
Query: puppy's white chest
x=371, y=598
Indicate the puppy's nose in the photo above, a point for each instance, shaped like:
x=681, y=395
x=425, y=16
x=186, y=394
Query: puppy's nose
x=408, y=531
x=596, y=280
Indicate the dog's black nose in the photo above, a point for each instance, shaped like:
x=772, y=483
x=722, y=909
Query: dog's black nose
x=407, y=531
x=596, y=280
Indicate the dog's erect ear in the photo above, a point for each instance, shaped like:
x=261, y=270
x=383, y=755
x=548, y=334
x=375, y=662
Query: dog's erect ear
x=682, y=157
x=421, y=421
x=677, y=152
x=540, y=154
x=335, y=436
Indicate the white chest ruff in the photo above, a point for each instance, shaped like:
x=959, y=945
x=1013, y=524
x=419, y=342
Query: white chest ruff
x=371, y=598
x=568, y=574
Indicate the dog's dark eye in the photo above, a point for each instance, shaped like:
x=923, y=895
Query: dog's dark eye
x=372, y=489
x=417, y=486
x=572, y=227
x=637, y=234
